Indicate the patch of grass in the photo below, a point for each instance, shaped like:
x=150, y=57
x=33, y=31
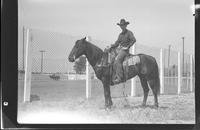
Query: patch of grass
x=70, y=97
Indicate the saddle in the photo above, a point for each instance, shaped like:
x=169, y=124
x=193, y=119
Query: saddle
x=129, y=60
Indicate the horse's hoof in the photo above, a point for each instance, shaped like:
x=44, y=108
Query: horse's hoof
x=155, y=106
x=143, y=105
x=108, y=108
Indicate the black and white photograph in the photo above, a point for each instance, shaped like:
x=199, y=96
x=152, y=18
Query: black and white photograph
x=106, y=62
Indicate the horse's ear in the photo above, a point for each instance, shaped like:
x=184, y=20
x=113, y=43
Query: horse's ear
x=84, y=38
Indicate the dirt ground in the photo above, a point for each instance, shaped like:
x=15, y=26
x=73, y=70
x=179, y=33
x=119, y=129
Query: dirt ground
x=65, y=102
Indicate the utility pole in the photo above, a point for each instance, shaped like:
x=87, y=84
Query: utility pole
x=183, y=56
x=42, y=51
x=23, y=50
x=164, y=59
x=169, y=55
x=169, y=72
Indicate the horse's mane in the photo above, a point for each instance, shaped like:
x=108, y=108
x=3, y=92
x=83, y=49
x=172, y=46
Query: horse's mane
x=94, y=53
x=96, y=48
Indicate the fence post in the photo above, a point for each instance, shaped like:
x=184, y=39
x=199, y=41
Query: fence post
x=161, y=72
x=191, y=74
x=133, y=80
x=28, y=66
x=68, y=72
x=88, y=76
x=179, y=72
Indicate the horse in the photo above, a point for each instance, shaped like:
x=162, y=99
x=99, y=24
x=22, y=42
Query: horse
x=146, y=70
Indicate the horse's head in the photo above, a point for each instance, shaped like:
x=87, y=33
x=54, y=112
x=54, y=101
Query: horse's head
x=77, y=50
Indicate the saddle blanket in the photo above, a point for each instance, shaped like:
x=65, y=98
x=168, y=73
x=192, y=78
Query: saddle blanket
x=131, y=60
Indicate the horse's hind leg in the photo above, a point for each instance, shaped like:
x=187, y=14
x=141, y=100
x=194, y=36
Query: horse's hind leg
x=107, y=94
x=145, y=89
x=152, y=84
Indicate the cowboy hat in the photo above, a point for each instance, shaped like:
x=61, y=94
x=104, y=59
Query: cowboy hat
x=123, y=22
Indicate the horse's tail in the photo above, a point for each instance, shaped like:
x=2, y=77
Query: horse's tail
x=157, y=84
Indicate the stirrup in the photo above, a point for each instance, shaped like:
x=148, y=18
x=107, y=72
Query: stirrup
x=117, y=80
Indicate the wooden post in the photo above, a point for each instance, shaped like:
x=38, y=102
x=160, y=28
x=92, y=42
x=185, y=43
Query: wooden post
x=68, y=78
x=88, y=77
x=28, y=66
x=191, y=74
x=23, y=50
x=161, y=72
x=133, y=80
x=179, y=73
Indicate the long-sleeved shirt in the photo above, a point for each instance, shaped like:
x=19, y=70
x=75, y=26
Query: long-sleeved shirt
x=125, y=39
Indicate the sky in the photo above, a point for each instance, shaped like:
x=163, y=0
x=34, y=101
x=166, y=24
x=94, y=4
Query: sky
x=156, y=23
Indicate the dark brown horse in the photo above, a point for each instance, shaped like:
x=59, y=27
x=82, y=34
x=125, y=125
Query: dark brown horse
x=146, y=69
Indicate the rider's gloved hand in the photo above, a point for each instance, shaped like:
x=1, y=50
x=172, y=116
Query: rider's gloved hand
x=112, y=45
x=107, y=49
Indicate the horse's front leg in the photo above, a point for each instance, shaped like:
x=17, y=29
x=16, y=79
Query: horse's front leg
x=107, y=95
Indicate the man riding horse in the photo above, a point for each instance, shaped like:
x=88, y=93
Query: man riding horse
x=125, y=40
x=142, y=65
